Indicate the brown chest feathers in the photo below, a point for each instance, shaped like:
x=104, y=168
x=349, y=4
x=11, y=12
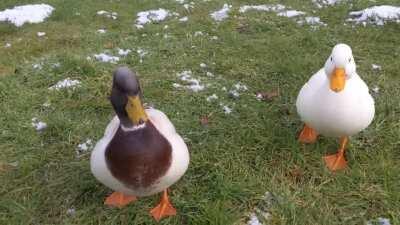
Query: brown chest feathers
x=139, y=158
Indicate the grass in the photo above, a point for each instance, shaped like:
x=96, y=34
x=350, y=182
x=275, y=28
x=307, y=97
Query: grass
x=237, y=157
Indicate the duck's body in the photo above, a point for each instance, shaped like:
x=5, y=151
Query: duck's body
x=143, y=161
x=140, y=154
x=335, y=114
x=335, y=102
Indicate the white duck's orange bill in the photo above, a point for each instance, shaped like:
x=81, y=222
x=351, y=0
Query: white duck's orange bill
x=338, y=80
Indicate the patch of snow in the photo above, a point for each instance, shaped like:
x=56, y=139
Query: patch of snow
x=203, y=65
x=41, y=34
x=267, y=8
x=124, y=52
x=188, y=6
x=166, y=36
x=183, y=19
x=226, y=109
x=312, y=20
x=156, y=15
x=19, y=15
x=166, y=27
x=138, y=26
x=37, y=66
x=191, y=83
x=46, y=104
x=8, y=45
x=291, y=13
x=240, y=87
x=322, y=3
x=101, y=31
x=214, y=38
x=377, y=15
x=56, y=65
x=71, y=211
x=212, y=97
x=38, y=125
x=234, y=93
x=103, y=57
x=254, y=220
x=379, y=221
x=221, y=14
x=209, y=74
x=88, y=58
x=84, y=147
x=112, y=15
x=375, y=89
x=67, y=83
x=141, y=52
x=376, y=67
x=198, y=33
x=176, y=85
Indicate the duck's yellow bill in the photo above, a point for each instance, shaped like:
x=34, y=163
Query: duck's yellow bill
x=338, y=80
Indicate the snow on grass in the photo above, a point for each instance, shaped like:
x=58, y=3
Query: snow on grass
x=101, y=31
x=198, y=33
x=7, y=45
x=37, y=66
x=237, y=88
x=226, y=109
x=313, y=21
x=38, y=125
x=141, y=52
x=84, y=147
x=281, y=10
x=379, y=221
x=20, y=15
x=189, y=6
x=123, y=52
x=212, y=97
x=104, y=57
x=67, y=83
x=209, y=74
x=183, y=19
x=376, y=67
x=267, y=8
x=71, y=211
x=322, y=3
x=190, y=82
x=377, y=15
x=112, y=15
x=41, y=34
x=214, y=38
x=221, y=14
x=254, y=220
x=291, y=13
x=203, y=65
x=151, y=16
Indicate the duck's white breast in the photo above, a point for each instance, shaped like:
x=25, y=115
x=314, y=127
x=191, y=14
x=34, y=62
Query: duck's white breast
x=179, y=159
x=335, y=114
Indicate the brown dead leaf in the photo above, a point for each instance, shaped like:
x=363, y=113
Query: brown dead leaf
x=267, y=95
x=204, y=120
x=242, y=28
x=109, y=45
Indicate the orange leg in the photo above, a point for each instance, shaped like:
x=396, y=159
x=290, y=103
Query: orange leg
x=308, y=135
x=118, y=199
x=163, y=209
x=337, y=161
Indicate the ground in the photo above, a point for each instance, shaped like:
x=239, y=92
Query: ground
x=235, y=157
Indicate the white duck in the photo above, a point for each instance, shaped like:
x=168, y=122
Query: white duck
x=335, y=102
x=140, y=154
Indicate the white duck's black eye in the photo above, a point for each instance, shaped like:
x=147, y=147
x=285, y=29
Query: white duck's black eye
x=349, y=59
x=331, y=59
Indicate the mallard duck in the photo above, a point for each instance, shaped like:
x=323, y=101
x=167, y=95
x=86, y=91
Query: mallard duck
x=335, y=102
x=140, y=154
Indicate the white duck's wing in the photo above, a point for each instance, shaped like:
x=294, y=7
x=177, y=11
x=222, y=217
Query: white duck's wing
x=315, y=83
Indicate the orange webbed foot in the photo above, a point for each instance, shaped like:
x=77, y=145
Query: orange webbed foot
x=335, y=162
x=308, y=135
x=118, y=199
x=163, y=209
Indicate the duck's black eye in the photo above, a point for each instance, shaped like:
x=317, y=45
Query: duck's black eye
x=349, y=59
x=331, y=59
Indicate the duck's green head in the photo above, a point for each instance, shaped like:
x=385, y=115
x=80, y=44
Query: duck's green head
x=126, y=98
